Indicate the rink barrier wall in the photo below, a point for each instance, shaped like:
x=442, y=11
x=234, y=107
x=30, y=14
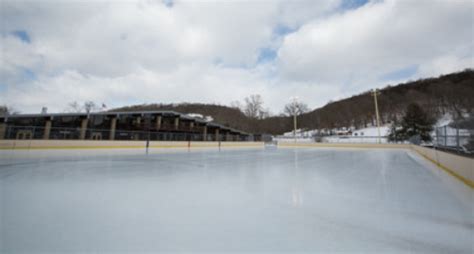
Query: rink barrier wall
x=100, y=144
x=457, y=166
x=344, y=145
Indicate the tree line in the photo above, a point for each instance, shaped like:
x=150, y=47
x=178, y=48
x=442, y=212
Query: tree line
x=450, y=93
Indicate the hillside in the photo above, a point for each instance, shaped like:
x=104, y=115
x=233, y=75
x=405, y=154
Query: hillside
x=452, y=93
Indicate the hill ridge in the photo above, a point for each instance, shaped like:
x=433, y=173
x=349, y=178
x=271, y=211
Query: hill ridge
x=451, y=93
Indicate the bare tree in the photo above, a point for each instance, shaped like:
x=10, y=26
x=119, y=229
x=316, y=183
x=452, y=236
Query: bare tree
x=74, y=107
x=264, y=113
x=90, y=106
x=254, y=106
x=3, y=110
x=8, y=110
x=236, y=105
x=295, y=108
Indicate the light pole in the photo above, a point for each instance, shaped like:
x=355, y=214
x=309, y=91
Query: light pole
x=374, y=93
x=294, y=100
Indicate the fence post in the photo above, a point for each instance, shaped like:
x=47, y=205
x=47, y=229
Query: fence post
x=445, y=136
x=458, y=145
x=9, y=132
x=437, y=136
x=3, y=130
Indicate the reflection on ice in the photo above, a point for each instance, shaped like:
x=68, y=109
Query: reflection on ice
x=297, y=197
x=230, y=200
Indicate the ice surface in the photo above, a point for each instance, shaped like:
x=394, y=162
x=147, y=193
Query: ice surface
x=294, y=200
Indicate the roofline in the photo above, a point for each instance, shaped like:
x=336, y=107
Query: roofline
x=96, y=113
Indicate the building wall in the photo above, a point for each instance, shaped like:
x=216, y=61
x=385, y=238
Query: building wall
x=135, y=126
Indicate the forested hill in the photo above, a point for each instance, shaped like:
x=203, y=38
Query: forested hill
x=452, y=93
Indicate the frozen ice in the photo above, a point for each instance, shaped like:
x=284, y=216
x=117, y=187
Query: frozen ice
x=260, y=200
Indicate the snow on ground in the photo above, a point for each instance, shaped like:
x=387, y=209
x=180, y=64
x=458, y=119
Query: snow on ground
x=250, y=200
x=365, y=135
x=446, y=119
x=444, y=128
x=200, y=116
x=300, y=133
x=370, y=134
x=302, y=136
x=447, y=136
x=292, y=139
x=372, y=131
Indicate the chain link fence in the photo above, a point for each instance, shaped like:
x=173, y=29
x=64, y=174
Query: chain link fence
x=455, y=139
x=334, y=139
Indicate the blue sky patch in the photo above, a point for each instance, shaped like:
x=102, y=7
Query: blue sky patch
x=168, y=3
x=352, y=4
x=28, y=74
x=282, y=30
x=266, y=55
x=399, y=74
x=22, y=35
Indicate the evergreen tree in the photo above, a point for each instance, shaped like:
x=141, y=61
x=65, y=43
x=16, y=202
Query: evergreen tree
x=395, y=134
x=415, y=123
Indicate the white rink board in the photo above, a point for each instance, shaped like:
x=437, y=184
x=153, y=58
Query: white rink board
x=285, y=199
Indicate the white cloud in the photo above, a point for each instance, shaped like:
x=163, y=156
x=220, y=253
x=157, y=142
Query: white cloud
x=109, y=39
x=144, y=86
x=377, y=38
x=445, y=64
x=200, y=51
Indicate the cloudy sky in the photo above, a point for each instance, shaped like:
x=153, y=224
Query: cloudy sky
x=153, y=51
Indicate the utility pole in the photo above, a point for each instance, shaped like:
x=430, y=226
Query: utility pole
x=295, y=112
x=294, y=123
x=375, y=92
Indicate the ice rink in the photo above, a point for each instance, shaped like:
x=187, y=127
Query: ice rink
x=258, y=200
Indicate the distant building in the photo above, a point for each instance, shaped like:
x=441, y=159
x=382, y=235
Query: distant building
x=140, y=125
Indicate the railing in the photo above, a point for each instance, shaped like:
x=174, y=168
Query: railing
x=166, y=126
x=62, y=133
x=335, y=139
x=356, y=139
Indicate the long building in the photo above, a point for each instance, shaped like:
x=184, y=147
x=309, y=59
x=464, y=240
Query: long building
x=140, y=125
